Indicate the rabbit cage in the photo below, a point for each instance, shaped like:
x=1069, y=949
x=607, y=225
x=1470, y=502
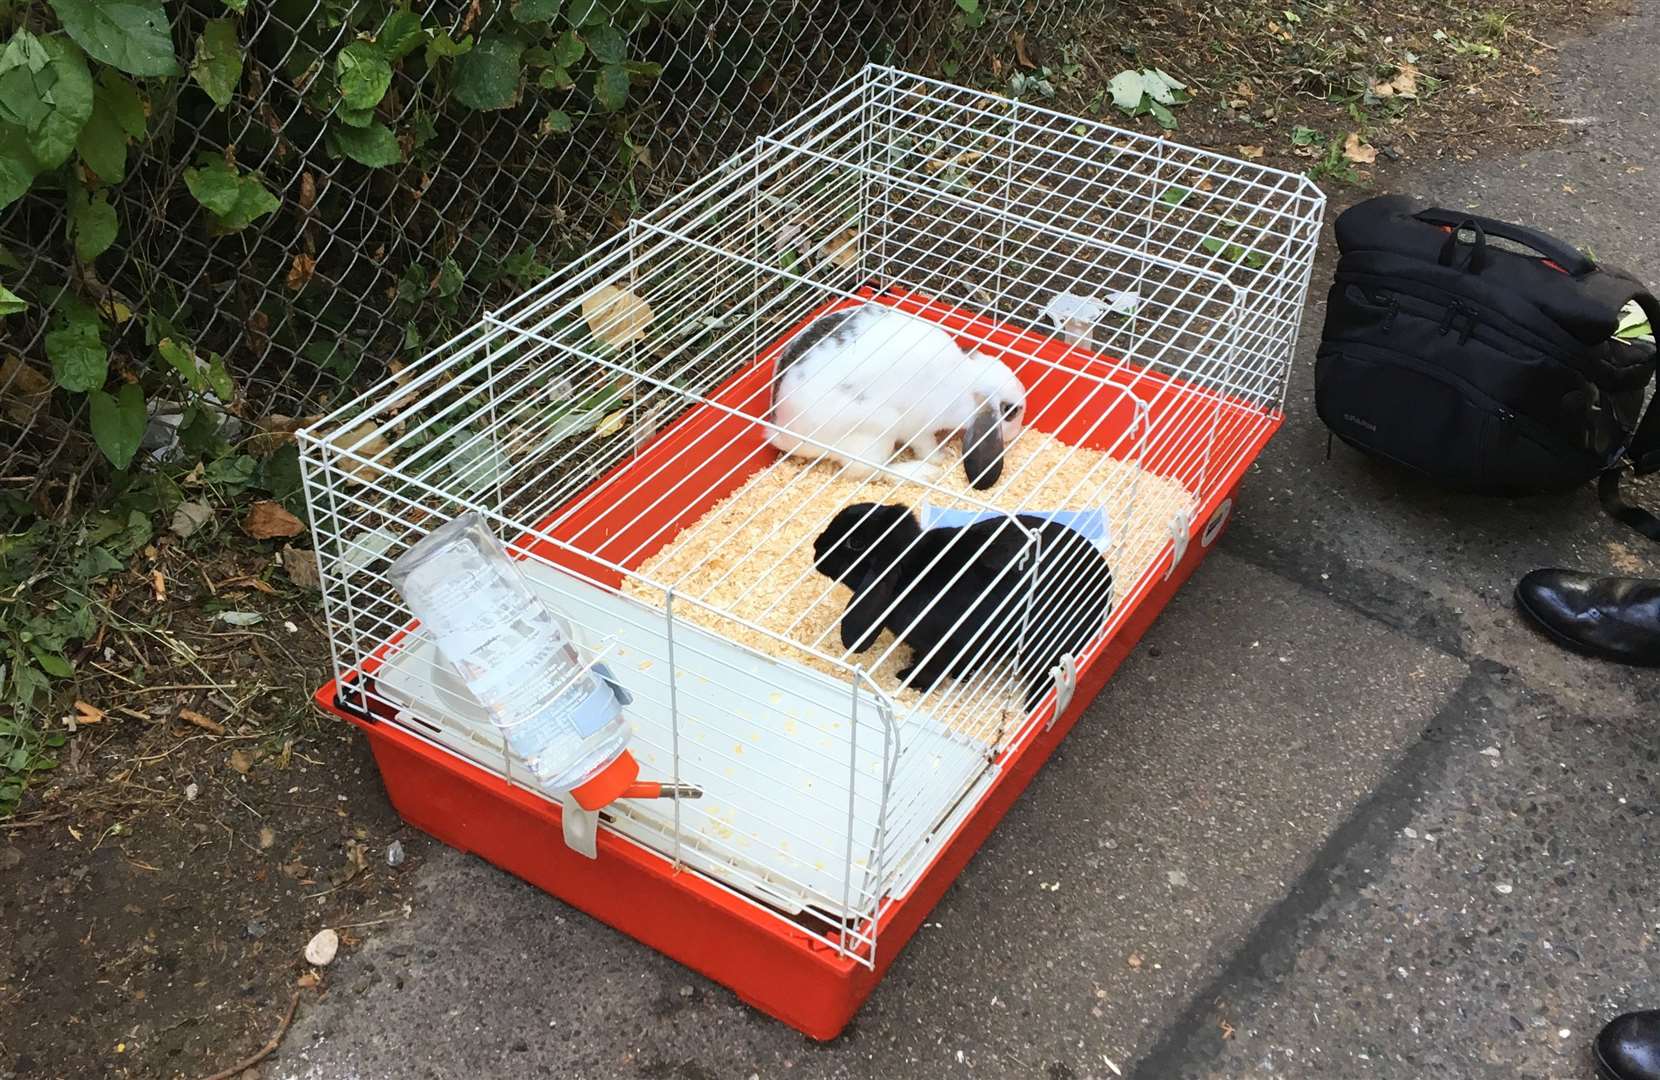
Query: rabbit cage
x=612, y=425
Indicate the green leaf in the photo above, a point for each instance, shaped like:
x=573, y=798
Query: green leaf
x=401, y=35
x=92, y=221
x=450, y=278
x=118, y=423
x=969, y=7
x=607, y=45
x=182, y=359
x=234, y=199
x=488, y=76
x=374, y=146
x=442, y=46
x=1161, y=87
x=235, y=472
x=217, y=68
x=568, y=49
x=527, y=11
x=238, y=6
x=55, y=666
x=555, y=78
x=557, y=122
x=102, y=143
x=1175, y=196
x=123, y=101
x=364, y=75
x=50, y=103
x=129, y=34
x=1166, y=118
x=199, y=432
x=220, y=379
x=645, y=68
x=280, y=475
x=17, y=164
x=10, y=302
x=79, y=360
x=611, y=87
x=584, y=12
x=96, y=562
x=357, y=118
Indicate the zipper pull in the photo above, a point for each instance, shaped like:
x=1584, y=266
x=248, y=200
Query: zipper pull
x=1394, y=310
x=1447, y=319
x=1469, y=326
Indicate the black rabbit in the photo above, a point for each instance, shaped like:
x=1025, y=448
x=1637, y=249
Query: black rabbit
x=963, y=598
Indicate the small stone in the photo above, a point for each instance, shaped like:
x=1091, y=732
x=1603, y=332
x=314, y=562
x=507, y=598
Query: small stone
x=1176, y=878
x=266, y=838
x=10, y=857
x=1410, y=834
x=394, y=853
x=1491, y=751
x=1564, y=1033
x=685, y=991
x=190, y=792
x=1504, y=889
x=256, y=928
x=320, y=949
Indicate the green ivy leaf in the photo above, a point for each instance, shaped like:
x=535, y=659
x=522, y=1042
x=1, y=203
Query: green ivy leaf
x=129, y=34
x=488, y=76
x=557, y=123
x=611, y=87
x=528, y=11
x=238, y=6
x=10, y=302
x=118, y=423
x=357, y=118
x=50, y=103
x=645, y=68
x=607, y=45
x=76, y=348
x=555, y=78
x=92, y=222
x=443, y=47
x=374, y=146
x=584, y=12
x=364, y=75
x=402, y=34
x=217, y=68
x=234, y=199
x=182, y=360
x=280, y=475
x=1166, y=118
x=17, y=164
x=568, y=49
x=449, y=278
x=219, y=379
x=123, y=101
x=102, y=143
x=199, y=432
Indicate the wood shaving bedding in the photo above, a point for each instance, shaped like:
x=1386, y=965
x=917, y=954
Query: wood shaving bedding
x=750, y=557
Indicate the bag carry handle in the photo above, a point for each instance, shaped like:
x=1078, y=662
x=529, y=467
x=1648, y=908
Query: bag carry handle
x=1569, y=258
x=1642, y=453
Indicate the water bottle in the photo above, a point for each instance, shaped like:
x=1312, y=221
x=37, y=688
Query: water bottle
x=516, y=658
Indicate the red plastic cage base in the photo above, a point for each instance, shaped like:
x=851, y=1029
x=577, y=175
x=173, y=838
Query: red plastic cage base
x=771, y=966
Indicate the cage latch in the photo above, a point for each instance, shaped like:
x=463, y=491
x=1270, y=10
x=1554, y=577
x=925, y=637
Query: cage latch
x=1066, y=681
x=581, y=827
x=1181, y=526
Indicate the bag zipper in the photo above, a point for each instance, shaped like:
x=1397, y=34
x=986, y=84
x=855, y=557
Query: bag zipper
x=1505, y=327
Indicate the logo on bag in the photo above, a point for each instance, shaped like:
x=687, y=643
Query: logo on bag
x=1359, y=422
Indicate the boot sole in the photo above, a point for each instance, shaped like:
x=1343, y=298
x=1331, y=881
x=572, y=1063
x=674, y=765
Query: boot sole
x=1605, y=1071
x=1574, y=645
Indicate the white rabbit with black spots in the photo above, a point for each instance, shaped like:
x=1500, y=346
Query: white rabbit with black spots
x=865, y=384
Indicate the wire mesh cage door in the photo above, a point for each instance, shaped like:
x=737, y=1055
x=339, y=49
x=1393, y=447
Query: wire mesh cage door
x=620, y=427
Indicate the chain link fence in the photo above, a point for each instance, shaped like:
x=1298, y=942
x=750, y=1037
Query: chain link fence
x=361, y=267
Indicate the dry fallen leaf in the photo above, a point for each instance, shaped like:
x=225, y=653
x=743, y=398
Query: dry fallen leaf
x=267, y=520
x=301, y=567
x=23, y=390
x=308, y=980
x=1251, y=153
x=87, y=714
x=611, y=424
x=266, y=837
x=241, y=761
x=300, y=271
x=205, y=723
x=1404, y=84
x=1358, y=150
x=843, y=249
x=1020, y=52
x=1245, y=90
x=308, y=191
x=363, y=441
x=616, y=316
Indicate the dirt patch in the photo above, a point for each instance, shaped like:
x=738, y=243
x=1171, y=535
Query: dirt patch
x=158, y=891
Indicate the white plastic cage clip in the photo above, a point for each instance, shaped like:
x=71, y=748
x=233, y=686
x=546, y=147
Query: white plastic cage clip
x=1181, y=527
x=1065, y=675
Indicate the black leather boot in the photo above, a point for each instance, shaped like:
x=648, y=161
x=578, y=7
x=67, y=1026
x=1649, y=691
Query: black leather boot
x=1629, y=1047
x=1614, y=618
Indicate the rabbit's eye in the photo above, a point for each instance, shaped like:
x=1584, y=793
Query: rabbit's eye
x=1011, y=412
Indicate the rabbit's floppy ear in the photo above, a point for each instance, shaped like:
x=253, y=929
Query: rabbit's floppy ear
x=983, y=446
x=872, y=595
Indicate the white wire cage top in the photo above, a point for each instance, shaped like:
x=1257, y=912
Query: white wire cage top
x=617, y=426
